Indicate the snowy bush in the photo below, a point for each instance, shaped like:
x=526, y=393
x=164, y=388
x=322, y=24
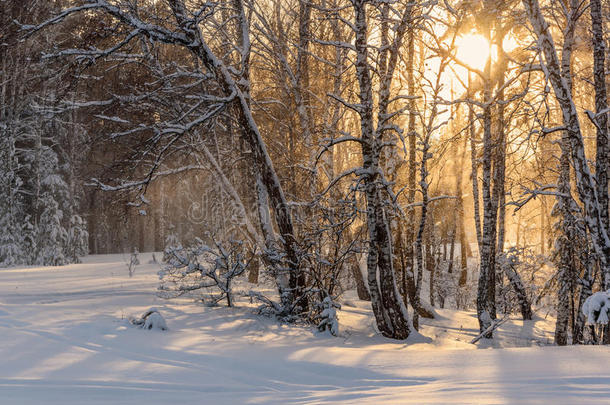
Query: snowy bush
x=445, y=283
x=200, y=267
x=151, y=319
x=597, y=308
x=328, y=319
x=12, y=250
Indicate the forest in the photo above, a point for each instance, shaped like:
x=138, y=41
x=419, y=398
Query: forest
x=424, y=154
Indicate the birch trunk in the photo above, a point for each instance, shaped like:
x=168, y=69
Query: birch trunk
x=601, y=111
x=464, y=247
x=390, y=313
x=564, y=203
x=601, y=124
x=409, y=274
x=486, y=296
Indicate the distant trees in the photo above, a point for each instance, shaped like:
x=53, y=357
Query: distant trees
x=38, y=210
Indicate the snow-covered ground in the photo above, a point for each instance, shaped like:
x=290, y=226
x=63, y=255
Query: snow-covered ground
x=64, y=339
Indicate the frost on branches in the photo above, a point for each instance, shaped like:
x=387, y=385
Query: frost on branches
x=172, y=244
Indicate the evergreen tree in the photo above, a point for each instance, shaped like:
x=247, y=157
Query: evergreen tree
x=52, y=236
x=11, y=209
x=51, y=202
x=78, y=239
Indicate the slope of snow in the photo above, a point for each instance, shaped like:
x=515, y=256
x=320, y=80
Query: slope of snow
x=65, y=339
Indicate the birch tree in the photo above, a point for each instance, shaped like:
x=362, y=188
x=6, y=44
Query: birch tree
x=390, y=312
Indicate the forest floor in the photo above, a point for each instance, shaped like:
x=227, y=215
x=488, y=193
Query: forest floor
x=65, y=339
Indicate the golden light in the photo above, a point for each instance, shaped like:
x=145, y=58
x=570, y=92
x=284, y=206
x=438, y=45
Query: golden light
x=473, y=50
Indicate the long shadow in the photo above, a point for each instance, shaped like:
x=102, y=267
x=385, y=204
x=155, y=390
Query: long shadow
x=266, y=374
x=545, y=375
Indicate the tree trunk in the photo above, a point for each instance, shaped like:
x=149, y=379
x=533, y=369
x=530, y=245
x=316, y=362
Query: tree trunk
x=499, y=177
x=430, y=266
x=601, y=119
x=474, y=173
x=524, y=302
x=601, y=123
x=486, y=296
x=419, y=239
x=254, y=270
x=586, y=289
x=464, y=246
x=363, y=292
x=390, y=313
x=564, y=204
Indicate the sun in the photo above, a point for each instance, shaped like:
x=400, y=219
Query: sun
x=473, y=50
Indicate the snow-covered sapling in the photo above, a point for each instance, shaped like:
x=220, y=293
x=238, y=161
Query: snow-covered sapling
x=134, y=261
x=328, y=316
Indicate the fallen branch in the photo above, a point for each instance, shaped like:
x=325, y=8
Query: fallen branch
x=491, y=328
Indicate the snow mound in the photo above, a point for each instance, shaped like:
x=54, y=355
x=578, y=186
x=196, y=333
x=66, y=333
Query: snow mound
x=596, y=308
x=151, y=319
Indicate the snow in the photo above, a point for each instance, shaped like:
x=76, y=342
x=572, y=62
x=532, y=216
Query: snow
x=151, y=319
x=596, y=308
x=65, y=338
